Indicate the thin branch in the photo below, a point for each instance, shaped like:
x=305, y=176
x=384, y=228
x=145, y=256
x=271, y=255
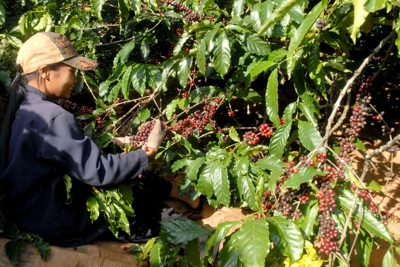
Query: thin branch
x=347, y=87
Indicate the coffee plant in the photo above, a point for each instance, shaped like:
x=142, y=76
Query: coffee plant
x=263, y=102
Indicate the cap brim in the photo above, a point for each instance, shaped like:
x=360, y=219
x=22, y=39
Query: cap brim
x=81, y=63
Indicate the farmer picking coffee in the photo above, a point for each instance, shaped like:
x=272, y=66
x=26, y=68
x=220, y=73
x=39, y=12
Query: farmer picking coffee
x=41, y=143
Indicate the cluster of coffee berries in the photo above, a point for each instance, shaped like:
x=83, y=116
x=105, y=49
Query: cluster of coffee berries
x=189, y=15
x=197, y=122
x=364, y=194
x=99, y=122
x=265, y=130
x=251, y=138
x=326, y=199
x=360, y=109
x=388, y=217
x=288, y=202
x=185, y=95
x=142, y=134
x=328, y=234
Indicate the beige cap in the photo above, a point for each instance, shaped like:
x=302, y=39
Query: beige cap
x=48, y=48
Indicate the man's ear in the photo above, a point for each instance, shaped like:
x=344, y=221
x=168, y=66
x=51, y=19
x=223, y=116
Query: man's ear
x=44, y=72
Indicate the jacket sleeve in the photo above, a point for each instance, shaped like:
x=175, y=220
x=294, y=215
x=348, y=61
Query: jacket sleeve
x=65, y=143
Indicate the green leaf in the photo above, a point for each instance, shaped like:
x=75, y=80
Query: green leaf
x=310, y=218
x=289, y=111
x=98, y=7
x=180, y=231
x=184, y=70
x=274, y=178
x=308, y=113
x=157, y=254
x=233, y=134
x=290, y=235
x=145, y=48
x=126, y=82
x=181, y=42
x=219, y=177
x=145, y=251
x=136, y=6
x=171, y=108
x=247, y=190
x=304, y=28
x=222, y=60
x=123, y=11
x=228, y=256
x=2, y=14
x=270, y=162
x=375, y=186
x=360, y=14
x=179, y=164
x=201, y=56
x=271, y=98
x=389, y=260
x=277, y=15
x=364, y=248
x=309, y=136
x=256, y=45
x=256, y=69
x=374, y=5
x=218, y=235
x=237, y=9
x=253, y=247
x=139, y=78
x=205, y=182
x=124, y=53
x=13, y=250
x=194, y=168
x=279, y=139
x=93, y=207
x=192, y=252
x=303, y=176
x=369, y=221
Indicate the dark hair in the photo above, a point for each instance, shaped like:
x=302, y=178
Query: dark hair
x=15, y=97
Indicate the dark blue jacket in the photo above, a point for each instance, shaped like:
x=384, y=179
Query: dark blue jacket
x=46, y=144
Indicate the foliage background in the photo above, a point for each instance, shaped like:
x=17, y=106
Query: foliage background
x=296, y=67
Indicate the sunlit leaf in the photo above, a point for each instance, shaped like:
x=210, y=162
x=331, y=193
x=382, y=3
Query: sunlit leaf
x=309, y=136
x=194, y=168
x=279, y=139
x=256, y=68
x=306, y=111
x=304, y=28
x=303, y=176
x=2, y=14
x=278, y=14
x=98, y=7
x=222, y=59
x=233, y=134
x=271, y=98
x=256, y=45
x=270, y=162
x=237, y=9
x=369, y=221
x=184, y=69
x=360, y=15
